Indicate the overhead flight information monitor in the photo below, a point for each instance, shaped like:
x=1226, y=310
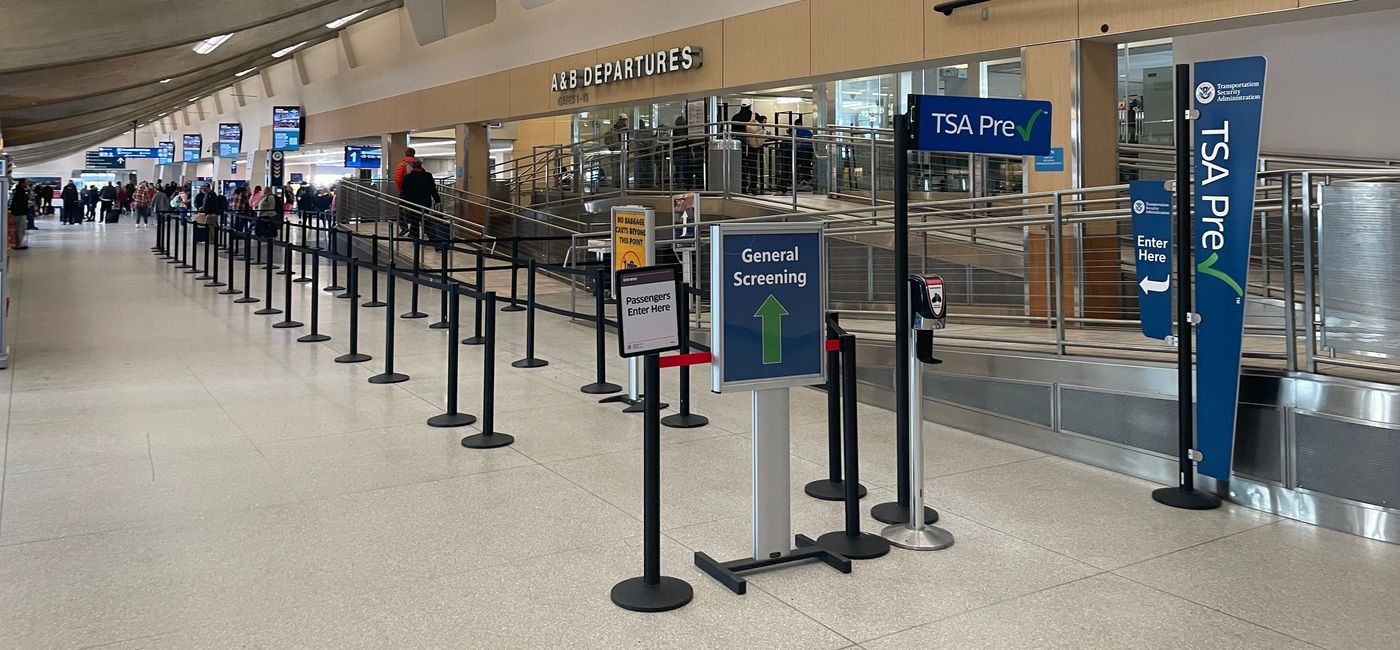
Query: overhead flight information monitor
x=363, y=157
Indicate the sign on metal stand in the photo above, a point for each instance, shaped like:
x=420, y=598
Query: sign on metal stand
x=648, y=303
x=1151, y=203
x=768, y=306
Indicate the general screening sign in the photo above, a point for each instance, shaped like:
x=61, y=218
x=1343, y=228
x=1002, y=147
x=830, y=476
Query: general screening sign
x=769, y=306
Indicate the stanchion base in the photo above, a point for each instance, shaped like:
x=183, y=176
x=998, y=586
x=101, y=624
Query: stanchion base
x=864, y=547
x=529, y=363
x=346, y=296
x=333, y=288
x=727, y=573
x=828, y=490
x=512, y=308
x=684, y=421
x=450, y=420
x=634, y=594
x=230, y=292
x=474, y=340
x=1185, y=499
x=485, y=441
x=246, y=300
x=287, y=324
x=893, y=513
x=268, y=311
x=313, y=338
x=600, y=388
x=374, y=304
x=924, y=538
x=302, y=280
x=215, y=284
x=191, y=270
x=414, y=314
x=440, y=325
x=353, y=358
x=183, y=266
x=388, y=378
x=205, y=276
x=283, y=273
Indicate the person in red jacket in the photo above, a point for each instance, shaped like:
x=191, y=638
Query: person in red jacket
x=403, y=168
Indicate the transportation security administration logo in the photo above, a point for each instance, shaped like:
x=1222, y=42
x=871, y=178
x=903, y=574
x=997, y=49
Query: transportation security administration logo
x=1205, y=92
x=1139, y=207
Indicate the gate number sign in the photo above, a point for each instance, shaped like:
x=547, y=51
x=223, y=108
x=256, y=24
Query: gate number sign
x=648, y=309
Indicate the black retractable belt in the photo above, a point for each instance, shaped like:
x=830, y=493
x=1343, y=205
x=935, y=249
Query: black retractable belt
x=453, y=417
x=489, y=438
x=601, y=386
x=530, y=361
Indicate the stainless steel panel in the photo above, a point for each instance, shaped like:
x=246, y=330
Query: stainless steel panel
x=1141, y=422
x=1357, y=267
x=1348, y=460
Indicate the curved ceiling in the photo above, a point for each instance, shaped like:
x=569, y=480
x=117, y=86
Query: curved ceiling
x=59, y=96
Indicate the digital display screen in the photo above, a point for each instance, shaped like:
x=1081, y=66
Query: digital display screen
x=286, y=128
x=363, y=157
x=192, y=146
x=230, y=139
x=167, y=154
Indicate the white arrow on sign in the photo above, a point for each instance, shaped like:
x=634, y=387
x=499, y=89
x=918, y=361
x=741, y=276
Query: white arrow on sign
x=1155, y=286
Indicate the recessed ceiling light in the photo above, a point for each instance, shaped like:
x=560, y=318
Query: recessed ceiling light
x=165, y=81
x=239, y=74
x=336, y=24
x=210, y=44
x=287, y=50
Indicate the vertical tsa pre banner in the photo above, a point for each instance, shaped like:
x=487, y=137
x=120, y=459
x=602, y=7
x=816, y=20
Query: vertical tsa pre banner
x=1229, y=98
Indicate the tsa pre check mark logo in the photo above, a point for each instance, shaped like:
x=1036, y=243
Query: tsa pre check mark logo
x=1205, y=92
x=1025, y=131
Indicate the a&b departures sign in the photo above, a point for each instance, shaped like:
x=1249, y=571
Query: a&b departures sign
x=769, y=305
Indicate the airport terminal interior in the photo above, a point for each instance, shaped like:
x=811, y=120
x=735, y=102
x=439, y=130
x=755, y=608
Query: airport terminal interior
x=733, y=324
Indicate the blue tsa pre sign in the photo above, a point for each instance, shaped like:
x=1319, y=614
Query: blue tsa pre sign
x=769, y=306
x=1228, y=97
x=1152, y=250
x=1014, y=127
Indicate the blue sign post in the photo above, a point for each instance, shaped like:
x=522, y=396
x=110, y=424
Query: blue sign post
x=1015, y=127
x=1229, y=98
x=1152, y=251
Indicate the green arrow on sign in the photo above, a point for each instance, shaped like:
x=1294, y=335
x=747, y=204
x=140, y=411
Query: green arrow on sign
x=772, y=313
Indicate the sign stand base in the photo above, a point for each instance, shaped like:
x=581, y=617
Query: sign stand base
x=1185, y=499
x=685, y=421
x=863, y=547
x=727, y=573
x=636, y=595
x=893, y=513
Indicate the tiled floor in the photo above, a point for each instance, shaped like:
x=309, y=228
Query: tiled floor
x=178, y=474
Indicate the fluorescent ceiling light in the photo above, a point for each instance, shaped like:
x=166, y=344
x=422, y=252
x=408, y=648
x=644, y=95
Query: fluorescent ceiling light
x=194, y=99
x=210, y=44
x=287, y=50
x=336, y=24
x=165, y=81
x=239, y=74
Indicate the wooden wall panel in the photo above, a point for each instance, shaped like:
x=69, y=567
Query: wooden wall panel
x=529, y=86
x=1123, y=16
x=696, y=82
x=492, y=97
x=447, y=105
x=769, y=46
x=1009, y=24
x=869, y=34
x=623, y=91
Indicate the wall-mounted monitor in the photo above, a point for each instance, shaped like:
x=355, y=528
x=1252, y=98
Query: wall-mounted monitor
x=363, y=157
x=192, y=149
x=286, y=128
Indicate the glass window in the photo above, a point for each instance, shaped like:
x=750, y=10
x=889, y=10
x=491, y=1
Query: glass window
x=1002, y=79
x=1145, y=92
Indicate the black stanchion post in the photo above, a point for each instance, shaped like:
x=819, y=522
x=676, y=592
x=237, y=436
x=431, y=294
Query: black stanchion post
x=832, y=488
x=208, y=252
x=335, y=264
x=354, y=355
x=445, y=260
x=231, y=290
x=286, y=322
x=453, y=417
x=160, y=233
x=417, y=269
x=514, y=276
x=181, y=236
x=389, y=376
x=247, y=270
x=476, y=338
x=315, y=336
x=304, y=247
x=352, y=256
x=267, y=290
x=489, y=438
x=194, y=251
x=685, y=419
x=652, y=592
x=530, y=361
x=601, y=386
x=213, y=261
x=374, y=301
x=1185, y=495
x=850, y=542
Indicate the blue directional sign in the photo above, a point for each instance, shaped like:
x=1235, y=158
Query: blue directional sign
x=1051, y=162
x=769, y=304
x=129, y=152
x=1014, y=127
x=1229, y=97
x=1152, y=250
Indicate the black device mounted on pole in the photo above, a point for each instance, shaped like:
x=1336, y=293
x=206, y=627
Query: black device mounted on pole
x=833, y=488
x=1184, y=495
x=652, y=592
x=897, y=512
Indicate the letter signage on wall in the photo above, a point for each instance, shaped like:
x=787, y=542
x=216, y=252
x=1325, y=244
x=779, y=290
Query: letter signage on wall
x=1228, y=97
x=676, y=59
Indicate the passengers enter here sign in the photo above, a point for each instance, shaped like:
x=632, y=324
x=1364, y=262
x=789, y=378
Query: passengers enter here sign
x=648, y=310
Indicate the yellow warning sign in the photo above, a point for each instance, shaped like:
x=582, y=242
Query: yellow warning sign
x=631, y=237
